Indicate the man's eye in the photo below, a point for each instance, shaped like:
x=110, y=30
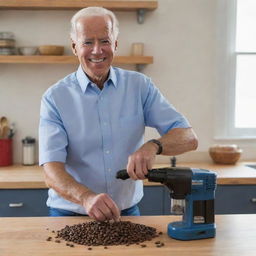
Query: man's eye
x=105, y=41
x=88, y=43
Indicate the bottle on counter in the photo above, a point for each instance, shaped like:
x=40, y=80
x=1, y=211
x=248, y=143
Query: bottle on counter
x=28, y=151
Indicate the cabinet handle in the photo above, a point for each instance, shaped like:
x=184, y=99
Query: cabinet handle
x=13, y=205
x=253, y=200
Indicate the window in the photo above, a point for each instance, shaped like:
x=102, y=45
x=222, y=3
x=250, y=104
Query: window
x=237, y=69
x=245, y=89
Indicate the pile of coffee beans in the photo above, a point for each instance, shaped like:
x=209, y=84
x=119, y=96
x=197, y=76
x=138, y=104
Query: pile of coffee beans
x=107, y=233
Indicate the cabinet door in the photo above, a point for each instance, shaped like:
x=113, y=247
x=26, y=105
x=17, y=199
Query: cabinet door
x=235, y=199
x=152, y=201
x=23, y=202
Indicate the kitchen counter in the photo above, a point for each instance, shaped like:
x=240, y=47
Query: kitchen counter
x=236, y=236
x=18, y=176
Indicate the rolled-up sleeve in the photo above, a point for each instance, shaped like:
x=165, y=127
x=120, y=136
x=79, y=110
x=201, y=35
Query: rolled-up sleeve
x=159, y=113
x=52, y=135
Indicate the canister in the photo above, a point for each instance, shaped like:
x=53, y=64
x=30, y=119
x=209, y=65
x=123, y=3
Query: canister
x=28, y=151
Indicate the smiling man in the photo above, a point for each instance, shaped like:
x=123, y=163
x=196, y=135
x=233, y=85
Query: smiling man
x=94, y=42
x=92, y=124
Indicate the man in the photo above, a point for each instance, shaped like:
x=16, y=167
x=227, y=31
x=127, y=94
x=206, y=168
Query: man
x=92, y=124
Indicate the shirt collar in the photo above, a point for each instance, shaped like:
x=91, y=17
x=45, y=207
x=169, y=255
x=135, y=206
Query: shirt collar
x=84, y=80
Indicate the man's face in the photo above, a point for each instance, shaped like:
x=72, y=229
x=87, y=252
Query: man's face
x=95, y=46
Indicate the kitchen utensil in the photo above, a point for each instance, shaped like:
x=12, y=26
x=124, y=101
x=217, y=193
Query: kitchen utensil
x=3, y=125
x=12, y=131
x=5, y=132
x=225, y=154
x=51, y=49
x=194, y=186
x=3, y=121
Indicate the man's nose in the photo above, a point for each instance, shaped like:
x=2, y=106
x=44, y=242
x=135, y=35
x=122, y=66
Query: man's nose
x=96, y=48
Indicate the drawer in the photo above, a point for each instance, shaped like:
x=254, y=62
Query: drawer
x=235, y=199
x=23, y=202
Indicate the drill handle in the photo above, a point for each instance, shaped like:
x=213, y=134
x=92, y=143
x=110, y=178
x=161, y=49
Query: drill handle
x=123, y=175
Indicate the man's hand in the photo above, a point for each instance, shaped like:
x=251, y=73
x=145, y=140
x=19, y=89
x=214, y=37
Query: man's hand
x=100, y=206
x=141, y=161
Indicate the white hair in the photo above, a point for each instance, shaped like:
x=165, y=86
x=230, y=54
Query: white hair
x=94, y=11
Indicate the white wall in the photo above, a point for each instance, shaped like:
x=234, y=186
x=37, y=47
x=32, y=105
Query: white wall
x=180, y=35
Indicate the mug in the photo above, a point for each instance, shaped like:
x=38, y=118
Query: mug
x=137, y=49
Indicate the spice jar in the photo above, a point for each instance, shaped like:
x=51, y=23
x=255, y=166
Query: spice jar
x=28, y=151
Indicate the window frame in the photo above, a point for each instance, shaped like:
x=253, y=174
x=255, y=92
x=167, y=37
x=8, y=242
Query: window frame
x=226, y=56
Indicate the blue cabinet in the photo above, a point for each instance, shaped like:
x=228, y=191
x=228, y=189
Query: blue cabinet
x=229, y=199
x=23, y=202
x=237, y=199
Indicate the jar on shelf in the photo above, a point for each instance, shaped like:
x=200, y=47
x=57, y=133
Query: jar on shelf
x=28, y=151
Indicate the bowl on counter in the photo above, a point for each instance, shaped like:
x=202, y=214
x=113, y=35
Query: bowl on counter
x=51, y=49
x=28, y=50
x=225, y=154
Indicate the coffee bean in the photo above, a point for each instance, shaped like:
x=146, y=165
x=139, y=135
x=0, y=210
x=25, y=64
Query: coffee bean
x=49, y=239
x=143, y=245
x=160, y=233
x=107, y=233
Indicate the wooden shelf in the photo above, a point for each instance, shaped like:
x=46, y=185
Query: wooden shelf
x=65, y=59
x=118, y=5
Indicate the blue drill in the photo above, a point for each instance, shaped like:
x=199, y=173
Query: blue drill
x=197, y=188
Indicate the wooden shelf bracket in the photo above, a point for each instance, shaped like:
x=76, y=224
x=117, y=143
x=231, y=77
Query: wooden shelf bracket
x=140, y=67
x=141, y=16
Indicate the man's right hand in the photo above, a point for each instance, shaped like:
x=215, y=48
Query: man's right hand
x=100, y=206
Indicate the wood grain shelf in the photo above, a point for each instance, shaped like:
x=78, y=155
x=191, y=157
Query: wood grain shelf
x=118, y=5
x=65, y=59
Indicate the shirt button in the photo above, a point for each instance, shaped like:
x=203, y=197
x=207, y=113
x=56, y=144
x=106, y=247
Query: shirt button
x=105, y=123
x=109, y=169
x=107, y=151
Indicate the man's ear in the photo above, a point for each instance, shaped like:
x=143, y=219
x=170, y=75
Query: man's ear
x=73, y=47
x=116, y=45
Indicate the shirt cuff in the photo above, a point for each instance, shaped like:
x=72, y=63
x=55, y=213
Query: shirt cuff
x=52, y=157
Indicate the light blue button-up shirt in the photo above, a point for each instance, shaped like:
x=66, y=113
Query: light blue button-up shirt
x=94, y=131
